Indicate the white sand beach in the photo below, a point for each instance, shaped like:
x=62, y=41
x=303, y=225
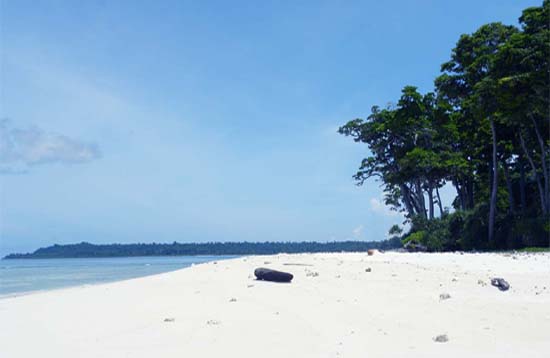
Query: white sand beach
x=332, y=308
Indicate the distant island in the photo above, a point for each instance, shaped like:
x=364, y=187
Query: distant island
x=88, y=250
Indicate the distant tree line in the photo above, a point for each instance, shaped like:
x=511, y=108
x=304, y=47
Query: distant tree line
x=84, y=249
x=485, y=130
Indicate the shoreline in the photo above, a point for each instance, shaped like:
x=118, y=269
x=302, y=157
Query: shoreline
x=333, y=307
x=96, y=271
x=95, y=284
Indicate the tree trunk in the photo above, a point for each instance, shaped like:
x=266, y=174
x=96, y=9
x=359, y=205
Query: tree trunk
x=405, y=192
x=509, y=186
x=545, y=173
x=460, y=194
x=471, y=194
x=431, y=202
x=493, y=202
x=535, y=173
x=416, y=205
x=419, y=199
x=439, y=202
x=522, y=196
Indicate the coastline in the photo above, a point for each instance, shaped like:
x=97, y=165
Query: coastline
x=332, y=308
x=28, y=276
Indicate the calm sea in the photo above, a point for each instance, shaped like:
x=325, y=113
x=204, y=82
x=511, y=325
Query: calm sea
x=26, y=275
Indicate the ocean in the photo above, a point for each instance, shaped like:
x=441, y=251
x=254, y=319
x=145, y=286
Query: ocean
x=19, y=276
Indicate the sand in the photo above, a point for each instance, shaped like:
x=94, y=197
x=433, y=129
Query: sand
x=333, y=308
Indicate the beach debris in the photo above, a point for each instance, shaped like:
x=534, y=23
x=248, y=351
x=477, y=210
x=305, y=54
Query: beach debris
x=371, y=252
x=481, y=283
x=444, y=296
x=500, y=283
x=267, y=262
x=170, y=319
x=213, y=322
x=248, y=286
x=265, y=274
x=368, y=269
x=442, y=338
x=311, y=273
x=233, y=299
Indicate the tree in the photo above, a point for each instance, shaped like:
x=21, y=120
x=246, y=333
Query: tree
x=470, y=82
x=523, y=69
x=408, y=153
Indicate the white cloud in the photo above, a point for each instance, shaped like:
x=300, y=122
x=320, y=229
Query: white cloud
x=377, y=206
x=357, y=232
x=22, y=148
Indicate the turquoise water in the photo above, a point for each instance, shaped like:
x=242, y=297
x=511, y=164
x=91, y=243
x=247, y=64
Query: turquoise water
x=26, y=275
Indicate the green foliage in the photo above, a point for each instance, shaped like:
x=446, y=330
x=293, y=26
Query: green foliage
x=395, y=230
x=474, y=231
x=416, y=237
x=535, y=249
x=438, y=234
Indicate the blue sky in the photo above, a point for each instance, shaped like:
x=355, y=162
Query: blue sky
x=141, y=121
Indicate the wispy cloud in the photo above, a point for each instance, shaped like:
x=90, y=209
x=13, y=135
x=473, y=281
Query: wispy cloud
x=357, y=232
x=23, y=148
x=378, y=206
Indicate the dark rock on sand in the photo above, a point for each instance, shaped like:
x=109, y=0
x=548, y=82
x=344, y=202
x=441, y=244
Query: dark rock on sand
x=500, y=283
x=265, y=274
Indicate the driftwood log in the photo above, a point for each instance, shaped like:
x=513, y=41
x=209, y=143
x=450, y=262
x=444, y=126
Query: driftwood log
x=500, y=283
x=266, y=274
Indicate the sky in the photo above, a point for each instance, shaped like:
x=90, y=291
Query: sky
x=195, y=121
